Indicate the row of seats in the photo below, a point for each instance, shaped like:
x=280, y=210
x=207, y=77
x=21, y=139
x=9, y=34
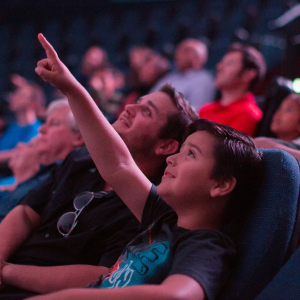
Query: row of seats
x=118, y=26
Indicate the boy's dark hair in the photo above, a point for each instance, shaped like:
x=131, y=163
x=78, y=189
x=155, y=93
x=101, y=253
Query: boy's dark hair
x=177, y=122
x=235, y=156
x=252, y=59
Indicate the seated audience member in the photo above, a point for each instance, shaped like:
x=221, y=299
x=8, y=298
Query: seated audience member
x=286, y=126
x=24, y=163
x=152, y=129
x=137, y=56
x=94, y=59
x=286, y=121
x=237, y=75
x=180, y=251
x=150, y=70
x=32, y=163
x=23, y=102
x=59, y=135
x=275, y=93
x=105, y=92
x=27, y=173
x=39, y=95
x=196, y=83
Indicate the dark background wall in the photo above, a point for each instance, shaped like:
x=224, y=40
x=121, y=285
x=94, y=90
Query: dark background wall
x=72, y=26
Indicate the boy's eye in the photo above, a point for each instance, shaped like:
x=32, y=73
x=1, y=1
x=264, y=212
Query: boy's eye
x=191, y=153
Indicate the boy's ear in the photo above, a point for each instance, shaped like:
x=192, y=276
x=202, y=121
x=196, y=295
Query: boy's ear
x=167, y=147
x=223, y=187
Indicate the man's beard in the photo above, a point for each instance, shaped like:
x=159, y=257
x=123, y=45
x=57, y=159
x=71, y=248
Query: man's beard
x=141, y=147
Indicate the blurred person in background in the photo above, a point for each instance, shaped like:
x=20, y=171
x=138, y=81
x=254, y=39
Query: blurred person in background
x=190, y=78
x=286, y=126
x=104, y=87
x=94, y=59
x=59, y=135
x=136, y=58
x=32, y=162
x=147, y=67
x=24, y=102
x=286, y=121
x=241, y=68
x=39, y=95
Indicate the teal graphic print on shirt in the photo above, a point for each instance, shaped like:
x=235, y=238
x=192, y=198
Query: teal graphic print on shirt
x=140, y=265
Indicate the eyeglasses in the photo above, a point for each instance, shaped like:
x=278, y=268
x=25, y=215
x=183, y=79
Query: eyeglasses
x=68, y=221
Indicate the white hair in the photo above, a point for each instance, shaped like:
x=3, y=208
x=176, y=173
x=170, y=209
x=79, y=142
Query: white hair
x=55, y=104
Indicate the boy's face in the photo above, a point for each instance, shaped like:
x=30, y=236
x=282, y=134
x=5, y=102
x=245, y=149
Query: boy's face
x=187, y=179
x=140, y=124
x=286, y=120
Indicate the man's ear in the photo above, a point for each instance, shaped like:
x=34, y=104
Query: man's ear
x=167, y=147
x=78, y=139
x=249, y=74
x=223, y=187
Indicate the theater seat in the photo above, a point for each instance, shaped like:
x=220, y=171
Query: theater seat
x=267, y=235
x=286, y=284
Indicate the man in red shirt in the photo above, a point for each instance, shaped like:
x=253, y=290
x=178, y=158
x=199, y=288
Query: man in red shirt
x=238, y=72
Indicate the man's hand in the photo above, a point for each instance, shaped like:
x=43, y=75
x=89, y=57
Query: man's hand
x=52, y=70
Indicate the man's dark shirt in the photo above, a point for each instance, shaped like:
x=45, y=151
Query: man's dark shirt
x=104, y=227
x=9, y=200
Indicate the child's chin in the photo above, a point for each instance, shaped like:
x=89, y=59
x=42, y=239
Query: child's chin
x=162, y=189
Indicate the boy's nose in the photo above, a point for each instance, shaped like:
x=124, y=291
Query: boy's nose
x=171, y=160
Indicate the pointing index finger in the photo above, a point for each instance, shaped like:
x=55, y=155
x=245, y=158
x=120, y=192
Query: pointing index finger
x=51, y=53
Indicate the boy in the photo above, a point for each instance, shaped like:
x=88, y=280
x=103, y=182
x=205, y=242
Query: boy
x=180, y=252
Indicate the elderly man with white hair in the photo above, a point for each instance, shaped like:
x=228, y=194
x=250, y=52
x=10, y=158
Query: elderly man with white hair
x=32, y=162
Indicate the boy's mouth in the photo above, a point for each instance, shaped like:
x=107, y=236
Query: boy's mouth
x=168, y=175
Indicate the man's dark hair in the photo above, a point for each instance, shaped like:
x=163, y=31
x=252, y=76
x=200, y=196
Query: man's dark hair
x=252, y=59
x=235, y=155
x=177, y=122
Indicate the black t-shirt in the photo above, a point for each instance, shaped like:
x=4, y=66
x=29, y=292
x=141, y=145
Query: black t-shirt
x=164, y=249
x=104, y=226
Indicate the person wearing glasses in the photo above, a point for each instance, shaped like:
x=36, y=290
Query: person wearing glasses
x=75, y=222
x=181, y=252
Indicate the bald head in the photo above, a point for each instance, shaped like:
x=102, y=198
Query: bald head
x=191, y=54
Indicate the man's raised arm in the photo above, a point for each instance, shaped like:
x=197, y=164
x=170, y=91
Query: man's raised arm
x=107, y=149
